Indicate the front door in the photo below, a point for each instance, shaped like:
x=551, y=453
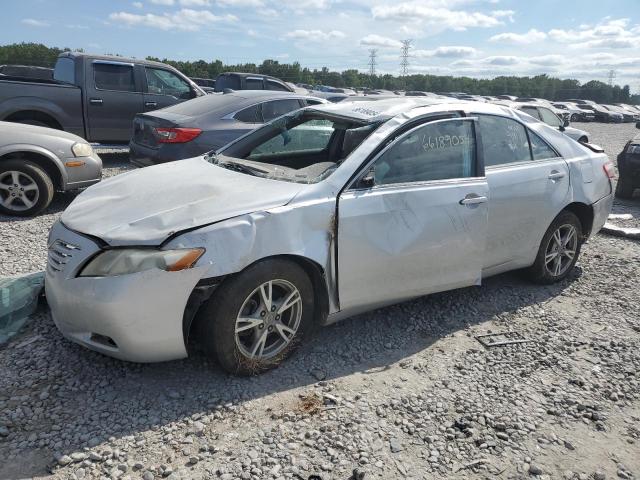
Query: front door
x=164, y=88
x=417, y=222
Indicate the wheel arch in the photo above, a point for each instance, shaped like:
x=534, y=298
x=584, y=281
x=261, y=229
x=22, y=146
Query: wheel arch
x=206, y=288
x=44, y=159
x=585, y=214
x=38, y=115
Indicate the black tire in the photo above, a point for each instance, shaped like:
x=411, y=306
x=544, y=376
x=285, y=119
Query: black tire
x=218, y=316
x=539, y=272
x=43, y=182
x=625, y=187
x=574, y=117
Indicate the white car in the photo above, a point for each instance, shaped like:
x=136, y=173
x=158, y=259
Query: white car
x=547, y=116
x=275, y=234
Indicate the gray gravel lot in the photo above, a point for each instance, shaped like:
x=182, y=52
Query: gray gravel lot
x=402, y=392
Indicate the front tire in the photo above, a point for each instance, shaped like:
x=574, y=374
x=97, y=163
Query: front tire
x=257, y=318
x=558, y=251
x=25, y=189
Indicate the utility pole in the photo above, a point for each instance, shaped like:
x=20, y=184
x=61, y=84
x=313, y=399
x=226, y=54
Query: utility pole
x=404, y=57
x=612, y=77
x=372, y=62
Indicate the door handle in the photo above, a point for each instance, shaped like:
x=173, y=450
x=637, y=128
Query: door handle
x=95, y=101
x=473, y=199
x=150, y=104
x=556, y=175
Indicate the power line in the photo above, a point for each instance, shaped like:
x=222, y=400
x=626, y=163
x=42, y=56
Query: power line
x=372, y=61
x=404, y=57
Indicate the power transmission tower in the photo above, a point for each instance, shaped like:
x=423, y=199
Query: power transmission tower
x=404, y=57
x=372, y=61
x=612, y=77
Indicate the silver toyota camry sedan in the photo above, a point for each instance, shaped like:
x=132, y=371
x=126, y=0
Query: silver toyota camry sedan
x=323, y=213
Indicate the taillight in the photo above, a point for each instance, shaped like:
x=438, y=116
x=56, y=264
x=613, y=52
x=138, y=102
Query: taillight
x=609, y=170
x=176, y=135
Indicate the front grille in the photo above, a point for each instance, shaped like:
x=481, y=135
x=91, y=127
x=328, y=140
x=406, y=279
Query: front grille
x=60, y=253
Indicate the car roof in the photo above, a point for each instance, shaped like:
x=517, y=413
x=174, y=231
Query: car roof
x=115, y=58
x=245, y=74
x=373, y=111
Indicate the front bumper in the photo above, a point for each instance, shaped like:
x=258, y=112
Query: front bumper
x=601, y=211
x=85, y=175
x=137, y=317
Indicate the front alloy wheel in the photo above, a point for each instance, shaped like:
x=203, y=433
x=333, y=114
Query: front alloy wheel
x=256, y=318
x=268, y=319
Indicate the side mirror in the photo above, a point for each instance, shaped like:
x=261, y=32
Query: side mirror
x=566, y=122
x=369, y=179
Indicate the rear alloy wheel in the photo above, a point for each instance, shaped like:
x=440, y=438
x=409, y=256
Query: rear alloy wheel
x=574, y=117
x=559, y=250
x=25, y=189
x=258, y=317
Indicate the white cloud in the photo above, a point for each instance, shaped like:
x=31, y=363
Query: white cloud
x=610, y=33
x=195, y=3
x=32, y=22
x=501, y=60
x=531, y=36
x=315, y=35
x=77, y=27
x=374, y=40
x=240, y=3
x=416, y=11
x=137, y=4
x=185, y=19
x=508, y=14
x=163, y=2
x=446, y=52
x=547, y=60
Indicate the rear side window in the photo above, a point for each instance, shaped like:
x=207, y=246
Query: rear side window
x=65, y=70
x=435, y=151
x=114, y=77
x=227, y=81
x=531, y=111
x=253, y=84
x=271, y=85
x=277, y=108
x=503, y=140
x=249, y=115
x=539, y=148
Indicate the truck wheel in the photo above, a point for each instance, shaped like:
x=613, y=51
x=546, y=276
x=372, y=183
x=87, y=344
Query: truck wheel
x=559, y=250
x=625, y=187
x=257, y=318
x=25, y=189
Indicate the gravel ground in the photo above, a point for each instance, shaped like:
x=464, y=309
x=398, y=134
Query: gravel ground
x=402, y=392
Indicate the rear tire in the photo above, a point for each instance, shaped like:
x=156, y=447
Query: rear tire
x=25, y=189
x=558, y=251
x=248, y=335
x=625, y=187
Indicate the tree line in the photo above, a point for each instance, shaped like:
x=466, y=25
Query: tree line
x=540, y=86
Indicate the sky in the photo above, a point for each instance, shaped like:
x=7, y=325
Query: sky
x=582, y=39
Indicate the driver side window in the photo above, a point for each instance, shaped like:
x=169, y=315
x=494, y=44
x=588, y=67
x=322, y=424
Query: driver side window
x=435, y=151
x=163, y=82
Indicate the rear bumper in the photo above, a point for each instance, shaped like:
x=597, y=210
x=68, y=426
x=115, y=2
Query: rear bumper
x=601, y=211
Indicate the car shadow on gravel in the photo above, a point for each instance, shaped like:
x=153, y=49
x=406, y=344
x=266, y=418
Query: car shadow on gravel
x=89, y=398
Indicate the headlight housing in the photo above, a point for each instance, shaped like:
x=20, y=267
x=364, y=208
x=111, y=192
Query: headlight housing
x=634, y=150
x=82, y=149
x=124, y=261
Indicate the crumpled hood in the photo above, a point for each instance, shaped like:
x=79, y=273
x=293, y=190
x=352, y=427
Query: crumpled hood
x=145, y=206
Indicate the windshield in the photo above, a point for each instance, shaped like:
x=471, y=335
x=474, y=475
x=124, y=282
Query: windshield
x=305, y=147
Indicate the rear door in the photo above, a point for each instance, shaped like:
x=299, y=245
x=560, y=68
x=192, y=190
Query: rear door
x=114, y=96
x=529, y=184
x=164, y=88
x=421, y=227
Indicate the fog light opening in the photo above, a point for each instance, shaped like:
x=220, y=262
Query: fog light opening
x=103, y=340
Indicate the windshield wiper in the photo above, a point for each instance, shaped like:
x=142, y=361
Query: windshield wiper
x=241, y=167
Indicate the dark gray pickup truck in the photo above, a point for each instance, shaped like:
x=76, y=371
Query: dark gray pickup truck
x=95, y=97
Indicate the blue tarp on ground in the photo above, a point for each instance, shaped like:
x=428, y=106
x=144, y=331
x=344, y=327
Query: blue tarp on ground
x=18, y=299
